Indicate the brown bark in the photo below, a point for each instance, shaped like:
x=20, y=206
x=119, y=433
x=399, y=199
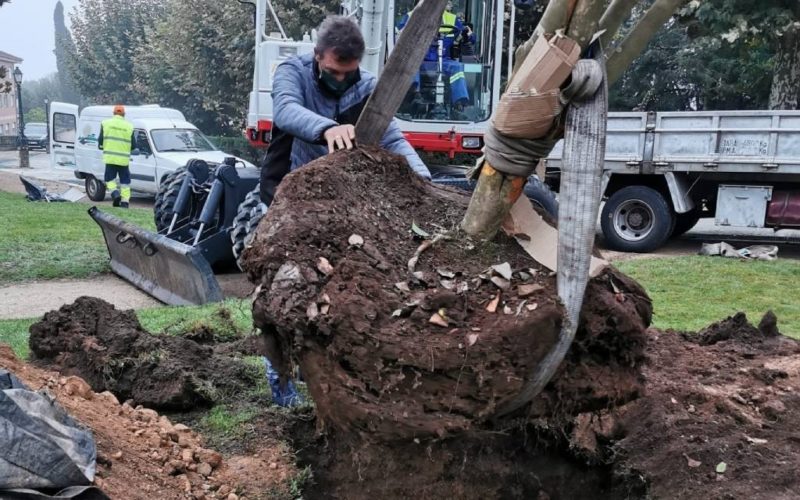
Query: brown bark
x=584, y=21
x=491, y=201
x=633, y=44
x=784, y=93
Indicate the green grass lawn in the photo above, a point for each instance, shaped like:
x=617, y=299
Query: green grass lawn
x=689, y=293
x=55, y=240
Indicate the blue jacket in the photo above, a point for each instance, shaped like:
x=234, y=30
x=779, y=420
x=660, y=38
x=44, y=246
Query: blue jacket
x=302, y=110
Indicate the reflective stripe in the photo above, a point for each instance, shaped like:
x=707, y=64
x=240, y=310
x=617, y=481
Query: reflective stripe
x=111, y=185
x=456, y=76
x=127, y=141
x=125, y=191
x=114, y=153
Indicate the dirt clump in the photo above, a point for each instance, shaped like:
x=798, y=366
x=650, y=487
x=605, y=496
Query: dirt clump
x=142, y=455
x=410, y=336
x=733, y=401
x=714, y=421
x=396, y=342
x=111, y=351
x=737, y=327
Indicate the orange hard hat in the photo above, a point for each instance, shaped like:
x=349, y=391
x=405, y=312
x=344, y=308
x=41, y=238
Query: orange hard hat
x=119, y=109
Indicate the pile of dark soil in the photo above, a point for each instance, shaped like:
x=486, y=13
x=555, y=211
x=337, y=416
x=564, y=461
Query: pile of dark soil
x=112, y=352
x=718, y=419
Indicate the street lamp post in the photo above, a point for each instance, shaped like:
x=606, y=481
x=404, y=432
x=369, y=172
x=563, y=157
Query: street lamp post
x=24, y=161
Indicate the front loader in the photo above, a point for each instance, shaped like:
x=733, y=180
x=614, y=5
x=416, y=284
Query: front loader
x=195, y=211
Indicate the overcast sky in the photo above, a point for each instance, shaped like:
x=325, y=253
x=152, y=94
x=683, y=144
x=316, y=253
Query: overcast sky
x=26, y=31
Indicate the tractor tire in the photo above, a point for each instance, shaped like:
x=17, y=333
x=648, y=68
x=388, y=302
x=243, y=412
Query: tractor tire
x=537, y=191
x=250, y=213
x=636, y=219
x=685, y=222
x=542, y=196
x=95, y=189
x=165, y=198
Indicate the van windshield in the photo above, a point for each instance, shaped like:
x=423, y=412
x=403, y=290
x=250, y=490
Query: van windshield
x=180, y=140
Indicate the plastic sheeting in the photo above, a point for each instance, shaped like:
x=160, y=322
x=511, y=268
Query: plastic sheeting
x=43, y=448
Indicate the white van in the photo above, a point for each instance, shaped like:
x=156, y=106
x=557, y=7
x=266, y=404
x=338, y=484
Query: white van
x=165, y=141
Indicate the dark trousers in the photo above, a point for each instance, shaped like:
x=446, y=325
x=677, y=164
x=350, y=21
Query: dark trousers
x=124, y=173
x=276, y=163
x=112, y=171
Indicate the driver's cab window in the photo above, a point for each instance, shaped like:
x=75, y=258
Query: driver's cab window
x=454, y=80
x=142, y=142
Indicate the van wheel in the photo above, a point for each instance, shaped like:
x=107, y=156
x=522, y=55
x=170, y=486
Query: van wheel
x=250, y=213
x=636, y=219
x=95, y=189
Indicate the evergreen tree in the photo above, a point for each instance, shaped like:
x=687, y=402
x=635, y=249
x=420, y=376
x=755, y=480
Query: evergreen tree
x=64, y=46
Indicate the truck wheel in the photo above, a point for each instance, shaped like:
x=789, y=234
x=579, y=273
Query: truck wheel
x=541, y=195
x=95, y=189
x=250, y=213
x=684, y=222
x=636, y=219
x=165, y=198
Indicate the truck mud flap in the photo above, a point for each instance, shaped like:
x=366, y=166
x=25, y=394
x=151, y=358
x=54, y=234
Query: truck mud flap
x=172, y=272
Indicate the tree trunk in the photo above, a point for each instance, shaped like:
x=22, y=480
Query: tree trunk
x=784, y=93
x=494, y=194
x=491, y=201
x=583, y=24
x=633, y=44
x=556, y=16
x=616, y=14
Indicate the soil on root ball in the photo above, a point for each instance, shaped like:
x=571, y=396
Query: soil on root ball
x=713, y=421
x=111, y=351
x=407, y=363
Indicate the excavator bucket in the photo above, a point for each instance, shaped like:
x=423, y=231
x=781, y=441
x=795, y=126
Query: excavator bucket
x=171, y=271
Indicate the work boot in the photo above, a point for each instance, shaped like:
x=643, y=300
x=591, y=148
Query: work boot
x=123, y=204
x=116, y=199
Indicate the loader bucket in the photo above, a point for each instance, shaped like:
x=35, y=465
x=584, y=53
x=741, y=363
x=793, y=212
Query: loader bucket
x=172, y=272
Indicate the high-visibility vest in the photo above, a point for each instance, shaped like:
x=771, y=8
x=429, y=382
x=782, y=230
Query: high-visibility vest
x=449, y=19
x=117, y=141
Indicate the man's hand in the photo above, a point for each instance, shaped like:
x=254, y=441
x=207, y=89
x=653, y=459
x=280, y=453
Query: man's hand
x=340, y=137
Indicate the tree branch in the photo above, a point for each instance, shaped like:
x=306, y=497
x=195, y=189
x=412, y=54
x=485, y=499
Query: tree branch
x=616, y=14
x=584, y=21
x=633, y=44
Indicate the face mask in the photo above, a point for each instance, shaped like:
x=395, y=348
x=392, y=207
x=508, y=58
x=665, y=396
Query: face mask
x=335, y=87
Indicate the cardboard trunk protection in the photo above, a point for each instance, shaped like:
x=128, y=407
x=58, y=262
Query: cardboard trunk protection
x=527, y=109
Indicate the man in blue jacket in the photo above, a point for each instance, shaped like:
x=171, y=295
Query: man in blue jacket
x=317, y=99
